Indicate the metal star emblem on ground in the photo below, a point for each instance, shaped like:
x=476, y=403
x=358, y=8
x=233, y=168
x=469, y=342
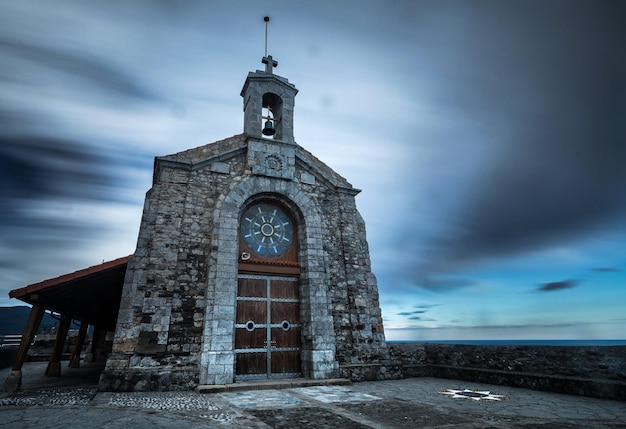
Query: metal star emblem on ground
x=476, y=395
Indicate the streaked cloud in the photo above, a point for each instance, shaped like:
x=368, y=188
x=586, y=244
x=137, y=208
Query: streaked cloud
x=559, y=285
x=98, y=74
x=606, y=270
x=488, y=163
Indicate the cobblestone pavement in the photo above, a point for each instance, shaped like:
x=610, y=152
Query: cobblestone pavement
x=72, y=402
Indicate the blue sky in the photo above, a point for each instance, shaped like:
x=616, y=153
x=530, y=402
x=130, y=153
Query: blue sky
x=488, y=138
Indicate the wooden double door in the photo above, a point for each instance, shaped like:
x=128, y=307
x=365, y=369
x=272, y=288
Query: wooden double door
x=267, y=328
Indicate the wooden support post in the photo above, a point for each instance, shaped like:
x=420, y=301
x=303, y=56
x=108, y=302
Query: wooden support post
x=92, y=349
x=54, y=364
x=14, y=379
x=80, y=340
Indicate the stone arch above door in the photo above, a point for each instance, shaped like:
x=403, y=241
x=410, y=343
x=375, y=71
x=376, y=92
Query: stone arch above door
x=318, y=354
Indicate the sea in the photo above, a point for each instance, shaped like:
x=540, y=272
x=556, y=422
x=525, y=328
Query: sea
x=525, y=342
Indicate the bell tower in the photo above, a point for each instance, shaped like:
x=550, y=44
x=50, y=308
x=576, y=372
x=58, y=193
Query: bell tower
x=268, y=102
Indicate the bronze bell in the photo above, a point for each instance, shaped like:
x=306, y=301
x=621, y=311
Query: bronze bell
x=268, y=129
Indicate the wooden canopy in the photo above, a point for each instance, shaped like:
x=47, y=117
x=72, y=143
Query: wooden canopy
x=91, y=295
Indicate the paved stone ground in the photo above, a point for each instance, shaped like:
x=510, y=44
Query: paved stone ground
x=71, y=401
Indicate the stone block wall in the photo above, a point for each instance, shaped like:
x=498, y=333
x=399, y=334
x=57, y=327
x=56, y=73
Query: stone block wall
x=159, y=331
x=361, y=348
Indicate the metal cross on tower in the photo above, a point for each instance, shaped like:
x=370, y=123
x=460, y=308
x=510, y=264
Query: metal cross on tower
x=270, y=63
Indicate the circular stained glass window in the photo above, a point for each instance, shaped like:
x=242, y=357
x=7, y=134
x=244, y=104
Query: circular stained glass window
x=266, y=230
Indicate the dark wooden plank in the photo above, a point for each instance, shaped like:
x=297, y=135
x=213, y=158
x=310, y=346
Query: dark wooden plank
x=286, y=362
x=252, y=310
x=284, y=289
x=252, y=288
x=251, y=363
x=290, y=338
x=289, y=311
x=250, y=340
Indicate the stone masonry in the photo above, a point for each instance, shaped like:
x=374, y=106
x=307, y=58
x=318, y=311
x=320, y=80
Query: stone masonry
x=176, y=323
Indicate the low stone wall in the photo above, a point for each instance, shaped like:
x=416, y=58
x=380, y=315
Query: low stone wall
x=371, y=372
x=598, y=372
x=148, y=379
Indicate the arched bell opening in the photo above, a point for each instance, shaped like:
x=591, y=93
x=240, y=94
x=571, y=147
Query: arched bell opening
x=272, y=116
x=268, y=130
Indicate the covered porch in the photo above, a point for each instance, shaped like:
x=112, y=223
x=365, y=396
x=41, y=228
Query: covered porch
x=88, y=297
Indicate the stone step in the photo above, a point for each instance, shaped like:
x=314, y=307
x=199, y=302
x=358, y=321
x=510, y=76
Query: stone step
x=287, y=383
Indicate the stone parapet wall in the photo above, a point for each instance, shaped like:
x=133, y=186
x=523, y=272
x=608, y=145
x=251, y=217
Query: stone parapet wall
x=579, y=370
x=371, y=372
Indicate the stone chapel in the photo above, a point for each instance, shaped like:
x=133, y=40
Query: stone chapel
x=251, y=263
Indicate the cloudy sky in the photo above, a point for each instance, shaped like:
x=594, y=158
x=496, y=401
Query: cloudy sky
x=488, y=137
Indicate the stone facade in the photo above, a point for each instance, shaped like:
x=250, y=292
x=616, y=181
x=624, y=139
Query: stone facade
x=176, y=323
